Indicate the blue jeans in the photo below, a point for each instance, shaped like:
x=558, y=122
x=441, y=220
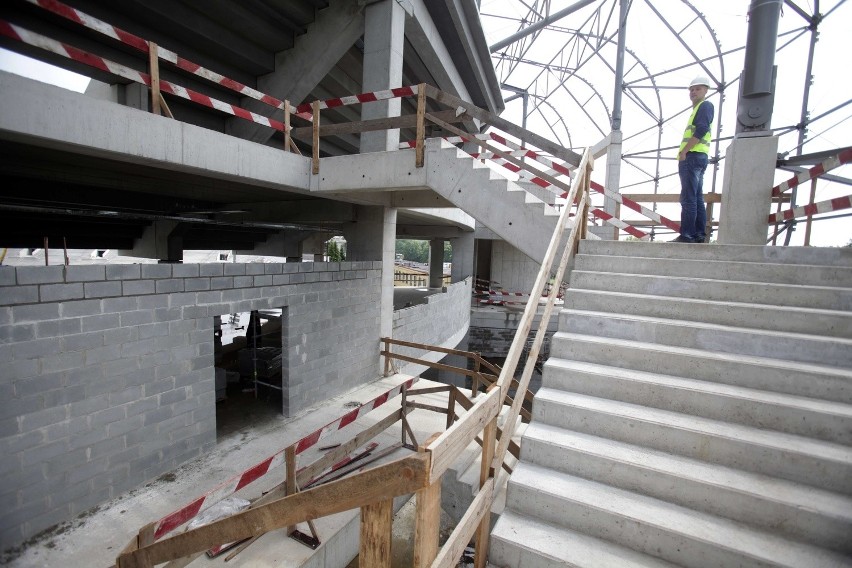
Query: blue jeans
x=693, y=215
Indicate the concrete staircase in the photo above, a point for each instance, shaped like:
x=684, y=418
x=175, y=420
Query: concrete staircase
x=696, y=411
x=510, y=211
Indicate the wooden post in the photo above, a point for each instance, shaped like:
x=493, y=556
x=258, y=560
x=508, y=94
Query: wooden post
x=316, y=137
x=154, y=68
x=451, y=408
x=290, y=464
x=46, y=252
x=387, y=358
x=287, y=141
x=489, y=435
x=421, y=126
x=474, y=380
x=809, y=220
x=376, y=533
x=428, y=524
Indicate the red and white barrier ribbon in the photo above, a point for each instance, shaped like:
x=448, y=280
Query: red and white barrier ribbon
x=827, y=165
x=188, y=512
x=37, y=40
x=826, y=206
x=614, y=221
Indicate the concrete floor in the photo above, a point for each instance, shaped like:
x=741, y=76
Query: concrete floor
x=95, y=538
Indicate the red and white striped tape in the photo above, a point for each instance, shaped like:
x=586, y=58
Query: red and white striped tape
x=23, y=35
x=627, y=228
x=361, y=98
x=826, y=206
x=827, y=165
x=188, y=512
x=140, y=44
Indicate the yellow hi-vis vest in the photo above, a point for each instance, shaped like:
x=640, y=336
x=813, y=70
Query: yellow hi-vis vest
x=704, y=145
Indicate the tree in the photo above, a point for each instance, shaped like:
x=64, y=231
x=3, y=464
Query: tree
x=335, y=252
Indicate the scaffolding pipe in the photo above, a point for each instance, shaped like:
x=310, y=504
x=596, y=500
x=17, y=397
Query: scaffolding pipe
x=539, y=24
x=619, y=65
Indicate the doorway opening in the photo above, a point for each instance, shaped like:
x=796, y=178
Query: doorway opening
x=250, y=369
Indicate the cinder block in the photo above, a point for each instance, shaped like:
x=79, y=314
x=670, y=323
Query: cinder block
x=100, y=354
x=120, y=367
x=266, y=280
x=211, y=269
x=40, y=274
x=120, y=335
x=35, y=312
x=102, y=289
x=61, y=464
x=86, y=407
x=138, y=317
x=169, y=285
x=123, y=271
x=120, y=427
x=110, y=305
x=281, y=280
x=222, y=283
x=167, y=314
x=153, y=302
x=185, y=270
x=60, y=292
x=81, y=308
x=197, y=285
x=137, y=287
x=273, y=268
x=19, y=295
x=19, y=332
x=153, y=330
x=140, y=407
x=23, y=405
x=7, y=276
x=234, y=269
x=156, y=271
x=64, y=396
x=85, y=273
x=58, y=328
x=61, y=362
x=107, y=416
x=87, y=471
x=43, y=453
x=36, y=348
x=254, y=269
x=100, y=322
x=243, y=281
x=138, y=348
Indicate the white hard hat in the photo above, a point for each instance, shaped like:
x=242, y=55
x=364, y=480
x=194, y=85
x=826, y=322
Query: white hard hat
x=700, y=80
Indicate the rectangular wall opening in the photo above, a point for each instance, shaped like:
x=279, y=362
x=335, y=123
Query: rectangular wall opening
x=250, y=369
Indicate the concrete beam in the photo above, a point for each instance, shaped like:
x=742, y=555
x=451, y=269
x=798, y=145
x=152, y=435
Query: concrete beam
x=299, y=70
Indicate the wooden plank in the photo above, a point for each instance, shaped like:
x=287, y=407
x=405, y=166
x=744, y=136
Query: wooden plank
x=165, y=107
x=543, y=143
x=447, y=447
x=376, y=534
x=290, y=480
x=430, y=390
x=466, y=528
x=420, y=405
x=312, y=470
x=154, y=68
x=442, y=366
x=400, y=477
x=373, y=124
x=419, y=146
x=428, y=347
x=315, y=137
x=427, y=526
x=485, y=473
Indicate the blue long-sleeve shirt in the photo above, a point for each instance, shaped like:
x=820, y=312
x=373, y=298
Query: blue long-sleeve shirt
x=703, y=119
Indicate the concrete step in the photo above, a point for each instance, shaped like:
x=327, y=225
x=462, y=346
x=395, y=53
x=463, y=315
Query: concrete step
x=802, y=379
x=522, y=540
x=830, y=256
x=801, y=416
x=813, y=275
x=832, y=323
x=711, y=337
x=816, y=297
x=809, y=515
x=813, y=462
x=676, y=534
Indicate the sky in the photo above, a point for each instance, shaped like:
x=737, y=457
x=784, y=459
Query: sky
x=577, y=112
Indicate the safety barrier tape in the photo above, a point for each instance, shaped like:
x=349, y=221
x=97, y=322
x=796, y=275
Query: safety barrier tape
x=31, y=38
x=188, y=512
x=629, y=229
x=826, y=206
x=827, y=165
x=362, y=98
x=140, y=44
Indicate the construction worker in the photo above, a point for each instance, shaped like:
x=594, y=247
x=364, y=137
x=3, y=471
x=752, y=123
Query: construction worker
x=693, y=155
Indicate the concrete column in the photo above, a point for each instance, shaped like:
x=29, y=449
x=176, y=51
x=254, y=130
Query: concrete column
x=436, y=263
x=462, y=257
x=154, y=242
x=384, y=35
x=613, y=182
x=747, y=190
x=373, y=237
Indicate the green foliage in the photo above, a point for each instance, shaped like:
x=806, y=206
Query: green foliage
x=335, y=253
x=418, y=251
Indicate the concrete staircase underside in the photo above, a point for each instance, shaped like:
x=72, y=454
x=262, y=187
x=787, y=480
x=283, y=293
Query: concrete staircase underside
x=696, y=411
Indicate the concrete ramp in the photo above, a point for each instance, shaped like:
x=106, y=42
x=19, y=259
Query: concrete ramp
x=696, y=411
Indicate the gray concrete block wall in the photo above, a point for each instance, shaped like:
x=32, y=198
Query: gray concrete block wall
x=442, y=320
x=107, y=376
